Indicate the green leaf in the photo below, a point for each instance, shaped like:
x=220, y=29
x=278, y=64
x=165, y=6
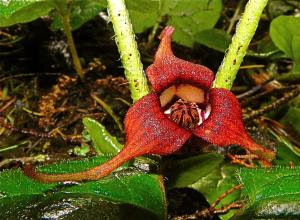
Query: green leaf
x=255, y=190
x=266, y=49
x=136, y=189
x=285, y=33
x=218, y=182
x=142, y=13
x=216, y=39
x=275, y=209
x=292, y=117
x=272, y=192
x=61, y=5
x=286, y=152
x=296, y=52
x=80, y=151
x=282, y=31
x=103, y=142
x=68, y=207
x=81, y=12
x=16, y=11
x=219, y=40
x=188, y=171
x=208, y=174
x=279, y=7
x=189, y=17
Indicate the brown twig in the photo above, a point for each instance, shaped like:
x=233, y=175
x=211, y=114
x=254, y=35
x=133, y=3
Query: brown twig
x=244, y=160
x=35, y=133
x=287, y=97
x=244, y=101
x=253, y=89
x=39, y=158
x=225, y=194
x=22, y=75
x=223, y=210
x=9, y=103
x=211, y=211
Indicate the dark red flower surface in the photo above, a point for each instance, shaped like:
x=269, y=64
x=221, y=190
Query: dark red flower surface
x=182, y=104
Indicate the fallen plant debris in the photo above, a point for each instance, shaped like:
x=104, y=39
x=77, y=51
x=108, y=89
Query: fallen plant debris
x=48, y=105
x=119, y=84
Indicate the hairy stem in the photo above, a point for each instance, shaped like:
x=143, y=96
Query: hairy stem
x=130, y=57
x=153, y=31
x=239, y=45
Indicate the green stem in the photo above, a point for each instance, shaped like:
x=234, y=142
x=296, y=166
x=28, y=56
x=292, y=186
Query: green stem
x=156, y=25
x=153, y=32
x=239, y=45
x=108, y=109
x=68, y=32
x=13, y=146
x=130, y=57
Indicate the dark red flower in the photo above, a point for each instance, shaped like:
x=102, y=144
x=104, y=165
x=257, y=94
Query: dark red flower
x=182, y=104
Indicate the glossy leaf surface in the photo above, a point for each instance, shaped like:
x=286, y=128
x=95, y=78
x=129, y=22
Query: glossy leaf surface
x=103, y=142
x=16, y=11
x=271, y=192
x=127, y=187
x=208, y=174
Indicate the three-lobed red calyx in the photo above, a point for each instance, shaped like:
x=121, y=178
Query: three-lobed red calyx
x=183, y=104
x=188, y=103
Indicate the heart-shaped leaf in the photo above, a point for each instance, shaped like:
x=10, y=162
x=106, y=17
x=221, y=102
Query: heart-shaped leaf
x=285, y=33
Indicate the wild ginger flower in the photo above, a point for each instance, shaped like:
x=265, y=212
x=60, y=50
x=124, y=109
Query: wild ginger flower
x=182, y=104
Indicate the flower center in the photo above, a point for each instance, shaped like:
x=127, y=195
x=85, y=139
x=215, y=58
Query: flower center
x=185, y=104
x=185, y=113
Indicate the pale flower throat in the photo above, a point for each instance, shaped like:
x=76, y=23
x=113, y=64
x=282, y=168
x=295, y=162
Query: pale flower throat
x=185, y=105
